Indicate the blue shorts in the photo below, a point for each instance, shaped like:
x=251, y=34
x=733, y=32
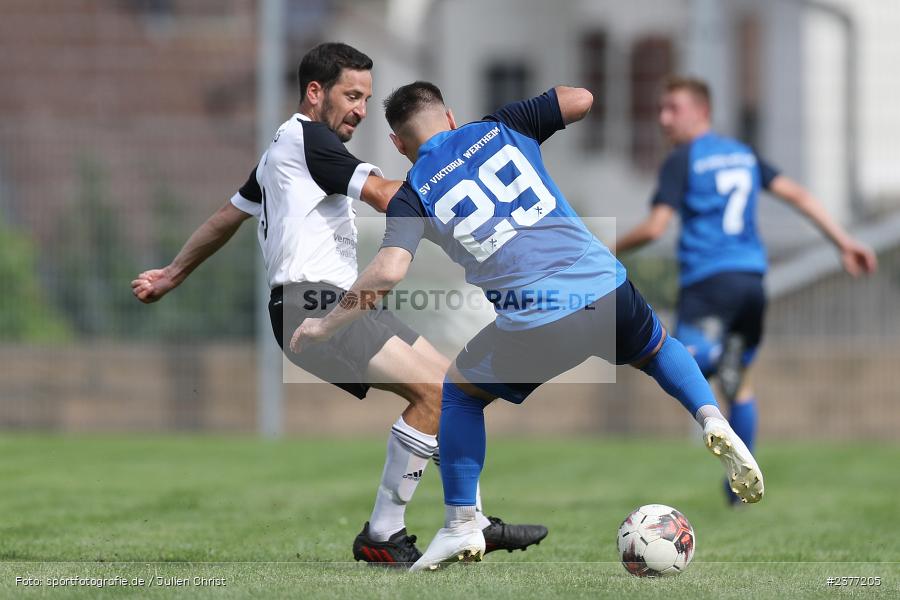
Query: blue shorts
x=620, y=328
x=717, y=307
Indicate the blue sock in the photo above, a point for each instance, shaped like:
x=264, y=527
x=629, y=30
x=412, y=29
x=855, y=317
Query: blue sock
x=743, y=420
x=676, y=371
x=462, y=445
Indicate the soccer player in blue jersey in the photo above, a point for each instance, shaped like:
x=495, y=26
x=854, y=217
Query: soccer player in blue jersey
x=482, y=193
x=712, y=182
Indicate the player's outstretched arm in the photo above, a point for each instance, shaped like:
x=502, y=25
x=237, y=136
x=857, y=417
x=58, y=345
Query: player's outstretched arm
x=386, y=270
x=648, y=230
x=378, y=191
x=574, y=103
x=856, y=258
x=152, y=285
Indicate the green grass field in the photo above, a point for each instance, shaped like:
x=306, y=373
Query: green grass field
x=276, y=519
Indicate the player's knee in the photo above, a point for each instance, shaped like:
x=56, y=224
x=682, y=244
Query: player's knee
x=745, y=395
x=707, y=357
x=706, y=354
x=704, y=346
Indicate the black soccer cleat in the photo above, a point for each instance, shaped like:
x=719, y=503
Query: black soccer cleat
x=398, y=551
x=502, y=536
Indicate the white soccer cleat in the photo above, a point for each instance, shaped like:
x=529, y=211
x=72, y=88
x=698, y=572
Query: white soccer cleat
x=744, y=476
x=465, y=544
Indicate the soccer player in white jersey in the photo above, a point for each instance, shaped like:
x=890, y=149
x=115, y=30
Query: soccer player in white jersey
x=301, y=192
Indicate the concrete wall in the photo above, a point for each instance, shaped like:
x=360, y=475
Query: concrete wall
x=842, y=390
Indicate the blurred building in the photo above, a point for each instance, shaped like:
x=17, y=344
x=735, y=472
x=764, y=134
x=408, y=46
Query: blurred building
x=124, y=123
x=806, y=82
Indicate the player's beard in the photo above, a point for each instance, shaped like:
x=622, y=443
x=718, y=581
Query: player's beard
x=328, y=113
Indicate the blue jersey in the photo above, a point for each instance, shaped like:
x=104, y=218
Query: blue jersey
x=482, y=193
x=714, y=183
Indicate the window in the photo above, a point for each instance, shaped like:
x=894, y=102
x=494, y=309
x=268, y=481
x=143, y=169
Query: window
x=651, y=63
x=506, y=82
x=594, y=54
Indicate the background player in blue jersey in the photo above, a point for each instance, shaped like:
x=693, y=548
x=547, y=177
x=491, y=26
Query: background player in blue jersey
x=712, y=182
x=482, y=193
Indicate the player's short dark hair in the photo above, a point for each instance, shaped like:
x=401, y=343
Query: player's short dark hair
x=698, y=88
x=325, y=62
x=405, y=102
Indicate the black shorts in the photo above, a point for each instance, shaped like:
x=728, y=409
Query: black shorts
x=714, y=308
x=620, y=328
x=343, y=359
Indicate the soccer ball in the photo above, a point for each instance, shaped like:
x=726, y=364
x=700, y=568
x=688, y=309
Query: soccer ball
x=656, y=540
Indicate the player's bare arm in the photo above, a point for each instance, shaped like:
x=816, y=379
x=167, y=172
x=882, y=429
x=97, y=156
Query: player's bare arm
x=386, y=270
x=856, y=257
x=574, y=103
x=378, y=191
x=152, y=285
x=649, y=230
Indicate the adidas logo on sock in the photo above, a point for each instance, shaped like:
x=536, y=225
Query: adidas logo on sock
x=415, y=475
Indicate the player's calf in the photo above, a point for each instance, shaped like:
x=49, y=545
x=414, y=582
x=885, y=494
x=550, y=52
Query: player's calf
x=408, y=453
x=676, y=372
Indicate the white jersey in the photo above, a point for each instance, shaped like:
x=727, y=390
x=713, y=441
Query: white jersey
x=301, y=191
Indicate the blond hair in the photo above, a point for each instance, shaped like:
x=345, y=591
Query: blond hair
x=698, y=88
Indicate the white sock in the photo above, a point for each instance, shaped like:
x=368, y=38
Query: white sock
x=408, y=451
x=459, y=516
x=479, y=513
x=483, y=521
x=708, y=411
